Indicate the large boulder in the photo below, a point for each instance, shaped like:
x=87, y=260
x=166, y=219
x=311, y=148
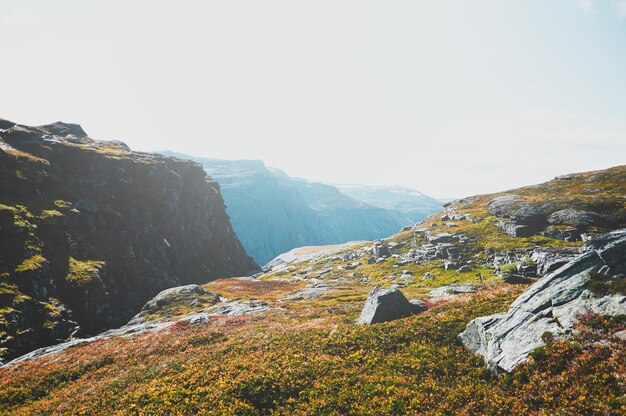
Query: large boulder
x=552, y=304
x=453, y=289
x=383, y=305
x=175, y=301
x=574, y=218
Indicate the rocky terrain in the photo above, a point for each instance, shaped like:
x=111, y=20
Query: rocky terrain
x=593, y=282
x=456, y=315
x=272, y=212
x=90, y=230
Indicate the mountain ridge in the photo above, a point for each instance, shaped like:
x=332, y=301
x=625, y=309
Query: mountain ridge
x=273, y=212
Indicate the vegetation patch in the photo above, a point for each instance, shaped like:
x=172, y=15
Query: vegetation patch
x=602, y=285
x=33, y=263
x=82, y=272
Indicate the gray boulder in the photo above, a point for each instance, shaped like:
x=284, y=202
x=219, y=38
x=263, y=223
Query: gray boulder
x=573, y=218
x=166, y=302
x=552, y=304
x=452, y=289
x=383, y=305
x=441, y=238
x=515, y=230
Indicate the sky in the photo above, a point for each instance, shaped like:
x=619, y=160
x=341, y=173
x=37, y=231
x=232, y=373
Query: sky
x=453, y=98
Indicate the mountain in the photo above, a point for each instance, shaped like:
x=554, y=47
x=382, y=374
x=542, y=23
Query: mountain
x=542, y=307
x=272, y=212
x=414, y=204
x=89, y=231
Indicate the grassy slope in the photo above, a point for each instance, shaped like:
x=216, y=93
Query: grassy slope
x=309, y=357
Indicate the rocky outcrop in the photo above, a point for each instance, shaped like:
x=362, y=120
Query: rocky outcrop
x=89, y=231
x=566, y=220
x=383, y=305
x=172, y=301
x=552, y=305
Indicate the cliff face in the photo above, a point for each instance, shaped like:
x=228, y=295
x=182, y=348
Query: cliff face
x=89, y=231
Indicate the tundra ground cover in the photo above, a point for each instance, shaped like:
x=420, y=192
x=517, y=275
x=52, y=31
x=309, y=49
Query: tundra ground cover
x=317, y=361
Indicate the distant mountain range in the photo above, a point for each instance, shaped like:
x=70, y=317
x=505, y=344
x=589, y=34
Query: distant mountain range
x=414, y=204
x=273, y=213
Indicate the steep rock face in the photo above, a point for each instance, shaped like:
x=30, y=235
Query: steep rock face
x=552, y=305
x=89, y=231
x=273, y=213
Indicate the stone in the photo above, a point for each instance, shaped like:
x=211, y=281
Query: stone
x=515, y=279
x=428, y=276
x=574, y=218
x=176, y=295
x=552, y=304
x=383, y=305
x=514, y=230
x=452, y=289
x=308, y=293
x=379, y=250
x=237, y=307
x=353, y=265
x=450, y=265
x=565, y=234
x=441, y=238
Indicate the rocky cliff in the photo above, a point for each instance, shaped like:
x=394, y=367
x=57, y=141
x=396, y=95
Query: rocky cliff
x=89, y=231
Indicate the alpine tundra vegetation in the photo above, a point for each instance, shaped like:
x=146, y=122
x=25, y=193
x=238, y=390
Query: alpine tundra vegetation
x=516, y=306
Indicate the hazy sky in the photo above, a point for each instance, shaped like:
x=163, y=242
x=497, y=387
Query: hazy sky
x=450, y=97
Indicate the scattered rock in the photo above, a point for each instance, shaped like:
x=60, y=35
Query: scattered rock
x=239, y=307
x=452, y=289
x=428, y=276
x=441, y=238
x=383, y=305
x=379, y=251
x=515, y=279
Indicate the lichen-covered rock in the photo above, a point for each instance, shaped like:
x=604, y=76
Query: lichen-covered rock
x=383, y=305
x=552, y=305
x=173, y=301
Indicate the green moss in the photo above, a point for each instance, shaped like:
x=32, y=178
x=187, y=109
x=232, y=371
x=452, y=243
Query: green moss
x=59, y=203
x=50, y=213
x=601, y=285
x=33, y=263
x=82, y=272
x=510, y=268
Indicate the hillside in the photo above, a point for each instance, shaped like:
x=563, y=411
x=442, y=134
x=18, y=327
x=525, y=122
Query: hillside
x=287, y=342
x=89, y=231
x=272, y=212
